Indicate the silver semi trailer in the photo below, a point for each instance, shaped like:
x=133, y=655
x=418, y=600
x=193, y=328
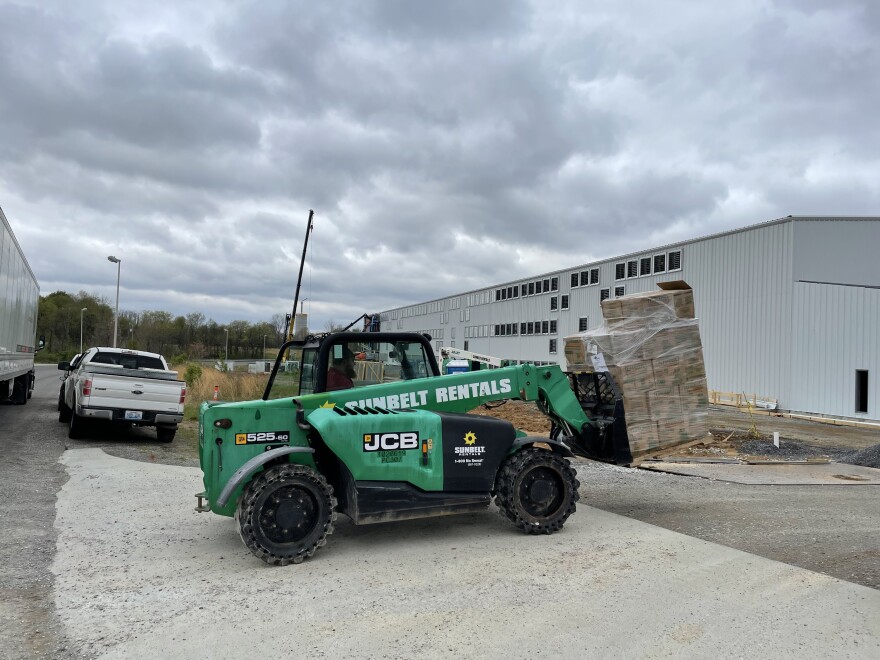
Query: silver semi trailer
x=19, y=297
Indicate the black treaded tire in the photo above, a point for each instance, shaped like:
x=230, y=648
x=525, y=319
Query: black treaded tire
x=286, y=513
x=63, y=410
x=75, y=425
x=537, y=490
x=165, y=434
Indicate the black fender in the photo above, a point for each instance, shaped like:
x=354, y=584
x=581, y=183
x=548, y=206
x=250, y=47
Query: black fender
x=555, y=446
x=246, y=470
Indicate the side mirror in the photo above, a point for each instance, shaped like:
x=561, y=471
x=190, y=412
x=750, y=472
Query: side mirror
x=42, y=344
x=64, y=366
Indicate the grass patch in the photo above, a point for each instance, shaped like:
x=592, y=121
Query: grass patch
x=188, y=437
x=231, y=386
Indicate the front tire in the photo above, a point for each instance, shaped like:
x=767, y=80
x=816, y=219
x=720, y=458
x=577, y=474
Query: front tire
x=286, y=513
x=537, y=491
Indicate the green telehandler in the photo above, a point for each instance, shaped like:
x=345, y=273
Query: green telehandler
x=375, y=432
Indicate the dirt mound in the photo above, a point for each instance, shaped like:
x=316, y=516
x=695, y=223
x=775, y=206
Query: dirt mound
x=522, y=414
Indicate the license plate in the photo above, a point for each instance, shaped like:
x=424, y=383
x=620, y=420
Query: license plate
x=133, y=414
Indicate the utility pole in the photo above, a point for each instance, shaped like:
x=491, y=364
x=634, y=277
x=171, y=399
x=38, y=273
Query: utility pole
x=118, y=263
x=81, y=329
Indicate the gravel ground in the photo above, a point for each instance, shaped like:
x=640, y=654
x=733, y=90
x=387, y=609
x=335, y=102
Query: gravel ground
x=791, y=450
x=831, y=529
x=869, y=457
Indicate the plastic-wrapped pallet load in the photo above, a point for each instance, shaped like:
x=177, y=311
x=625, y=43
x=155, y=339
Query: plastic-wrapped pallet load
x=650, y=344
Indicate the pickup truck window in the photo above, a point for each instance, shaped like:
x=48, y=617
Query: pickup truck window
x=128, y=361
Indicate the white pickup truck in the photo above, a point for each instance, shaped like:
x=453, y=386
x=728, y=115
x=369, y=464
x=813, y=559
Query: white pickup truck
x=122, y=386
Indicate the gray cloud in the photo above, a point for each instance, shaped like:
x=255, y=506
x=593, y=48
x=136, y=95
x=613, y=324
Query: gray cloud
x=444, y=146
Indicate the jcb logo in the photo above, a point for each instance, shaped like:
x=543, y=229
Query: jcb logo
x=388, y=441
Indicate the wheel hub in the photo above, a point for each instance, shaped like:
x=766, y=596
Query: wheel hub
x=542, y=491
x=289, y=515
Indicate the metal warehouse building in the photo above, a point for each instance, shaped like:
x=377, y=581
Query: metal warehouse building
x=789, y=310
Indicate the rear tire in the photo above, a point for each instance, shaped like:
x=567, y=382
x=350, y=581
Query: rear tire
x=537, y=491
x=165, y=434
x=75, y=425
x=286, y=513
x=63, y=410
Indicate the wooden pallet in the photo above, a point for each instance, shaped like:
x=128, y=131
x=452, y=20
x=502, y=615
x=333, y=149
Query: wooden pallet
x=740, y=400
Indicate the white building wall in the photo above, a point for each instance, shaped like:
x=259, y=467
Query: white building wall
x=838, y=332
x=742, y=294
x=837, y=251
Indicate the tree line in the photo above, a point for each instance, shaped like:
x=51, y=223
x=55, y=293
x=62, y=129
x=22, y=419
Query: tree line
x=178, y=338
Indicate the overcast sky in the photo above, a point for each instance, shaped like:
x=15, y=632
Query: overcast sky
x=444, y=146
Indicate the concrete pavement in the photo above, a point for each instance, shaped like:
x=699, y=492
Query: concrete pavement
x=139, y=574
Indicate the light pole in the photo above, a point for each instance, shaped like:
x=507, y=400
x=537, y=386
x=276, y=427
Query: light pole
x=81, y=329
x=118, y=263
x=264, y=347
x=226, y=359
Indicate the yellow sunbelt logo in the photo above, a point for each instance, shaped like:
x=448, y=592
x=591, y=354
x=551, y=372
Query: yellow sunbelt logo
x=470, y=448
x=390, y=441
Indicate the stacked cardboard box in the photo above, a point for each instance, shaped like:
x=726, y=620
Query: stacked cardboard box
x=651, y=345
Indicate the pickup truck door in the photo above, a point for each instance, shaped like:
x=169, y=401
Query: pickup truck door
x=70, y=383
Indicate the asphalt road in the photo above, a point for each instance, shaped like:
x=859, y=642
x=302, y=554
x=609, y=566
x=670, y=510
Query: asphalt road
x=831, y=529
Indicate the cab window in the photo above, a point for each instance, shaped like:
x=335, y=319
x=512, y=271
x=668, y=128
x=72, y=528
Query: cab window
x=378, y=362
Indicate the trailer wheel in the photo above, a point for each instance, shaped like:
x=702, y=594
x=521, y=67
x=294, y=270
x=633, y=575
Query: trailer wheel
x=286, y=513
x=537, y=491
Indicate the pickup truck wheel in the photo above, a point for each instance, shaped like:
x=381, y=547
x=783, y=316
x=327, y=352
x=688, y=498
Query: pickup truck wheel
x=286, y=513
x=537, y=491
x=75, y=425
x=165, y=434
x=63, y=410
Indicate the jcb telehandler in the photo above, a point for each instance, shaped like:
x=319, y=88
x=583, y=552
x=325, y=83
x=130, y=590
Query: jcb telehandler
x=395, y=442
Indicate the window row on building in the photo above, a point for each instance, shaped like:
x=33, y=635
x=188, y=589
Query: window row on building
x=481, y=298
x=525, y=328
x=665, y=262
x=475, y=331
x=585, y=278
x=535, y=288
x=651, y=265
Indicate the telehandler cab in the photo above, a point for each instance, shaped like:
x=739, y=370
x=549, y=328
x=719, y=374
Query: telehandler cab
x=396, y=444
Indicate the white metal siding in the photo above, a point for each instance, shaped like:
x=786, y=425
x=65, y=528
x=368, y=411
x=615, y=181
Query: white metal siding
x=838, y=331
x=837, y=251
x=742, y=294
